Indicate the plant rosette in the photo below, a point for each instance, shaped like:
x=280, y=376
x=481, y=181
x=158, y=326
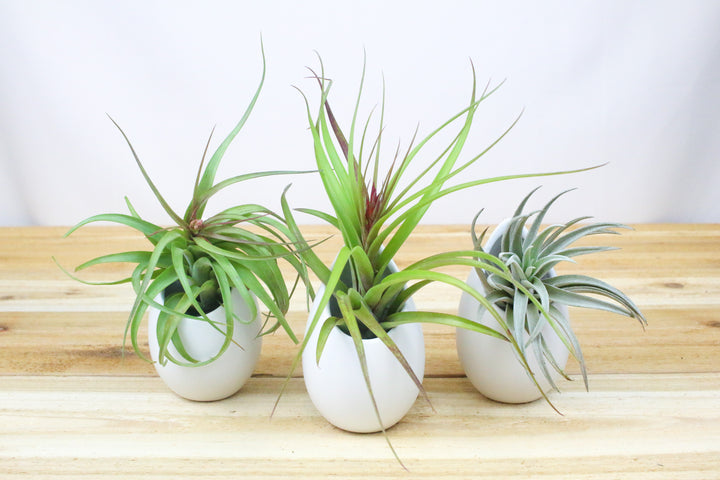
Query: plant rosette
x=375, y=216
x=506, y=380
x=206, y=274
x=533, y=307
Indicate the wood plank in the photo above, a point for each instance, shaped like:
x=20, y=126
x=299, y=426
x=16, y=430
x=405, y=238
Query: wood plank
x=656, y=266
x=82, y=343
x=58, y=427
x=675, y=247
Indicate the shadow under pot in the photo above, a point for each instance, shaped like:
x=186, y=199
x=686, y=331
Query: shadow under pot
x=336, y=384
x=491, y=364
x=225, y=375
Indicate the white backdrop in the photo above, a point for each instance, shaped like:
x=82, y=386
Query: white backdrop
x=633, y=83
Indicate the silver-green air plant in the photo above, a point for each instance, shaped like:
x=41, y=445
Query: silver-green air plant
x=197, y=262
x=375, y=215
x=528, y=301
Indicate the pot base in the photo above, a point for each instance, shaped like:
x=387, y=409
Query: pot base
x=224, y=376
x=337, y=386
x=490, y=363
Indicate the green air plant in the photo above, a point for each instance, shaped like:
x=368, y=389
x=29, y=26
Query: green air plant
x=375, y=216
x=198, y=261
x=529, y=300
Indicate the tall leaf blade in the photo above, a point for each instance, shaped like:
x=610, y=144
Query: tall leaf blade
x=208, y=178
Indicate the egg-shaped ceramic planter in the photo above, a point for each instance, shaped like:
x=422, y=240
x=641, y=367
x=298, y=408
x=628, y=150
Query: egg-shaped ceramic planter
x=336, y=384
x=490, y=363
x=223, y=376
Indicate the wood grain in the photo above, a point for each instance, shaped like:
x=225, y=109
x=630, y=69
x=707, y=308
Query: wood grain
x=74, y=404
x=133, y=427
x=50, y=324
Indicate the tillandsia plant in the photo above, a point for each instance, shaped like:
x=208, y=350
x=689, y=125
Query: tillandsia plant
x=375, y=216
x=198, y=261
x=529, y=300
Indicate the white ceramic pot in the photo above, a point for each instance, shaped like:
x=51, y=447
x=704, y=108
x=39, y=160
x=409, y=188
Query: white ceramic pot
x=490, y=363
x=225, y=375
x=337, y=387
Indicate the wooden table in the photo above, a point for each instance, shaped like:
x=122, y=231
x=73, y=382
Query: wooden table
x=74, y=405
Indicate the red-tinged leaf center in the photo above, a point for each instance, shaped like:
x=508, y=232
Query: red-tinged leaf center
x=374, y=206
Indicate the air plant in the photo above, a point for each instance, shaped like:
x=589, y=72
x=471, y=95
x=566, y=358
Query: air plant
x=528, y=300
x=375, y=216
x=197, y=262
